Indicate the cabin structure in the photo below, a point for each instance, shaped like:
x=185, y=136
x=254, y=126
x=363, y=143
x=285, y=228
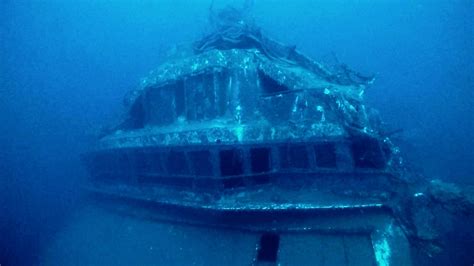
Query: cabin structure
x=257, y=152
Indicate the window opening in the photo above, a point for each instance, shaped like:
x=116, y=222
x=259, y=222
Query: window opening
x=124, y=162
x=325, y=154
x=156, y=163
x=366, y=153
x=201, y=162
x=231, y=162
x=176, y=163
x=268, y=248
x=142, y=163
x=269, y=85
x=260, y=160
x=294, y=156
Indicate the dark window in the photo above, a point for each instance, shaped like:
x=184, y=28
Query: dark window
x=221, y=94
x=199, y=97
x=156, y=162
x=231, y=162
x=294, y=156
x=201, y=162
x=176, y=163
x=268, y=248
x=124, y=162
x=325, y=154
x=143, y=163
x=269, y=85
x=124, y=167
x=159, y=105
x=260, y=159
x=366, y=153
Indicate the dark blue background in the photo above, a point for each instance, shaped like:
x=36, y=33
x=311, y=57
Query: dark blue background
x=65, y=66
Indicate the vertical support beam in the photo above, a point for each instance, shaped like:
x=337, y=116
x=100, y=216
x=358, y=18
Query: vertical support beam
x=345, y=162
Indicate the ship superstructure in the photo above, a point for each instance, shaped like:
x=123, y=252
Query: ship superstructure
x=264, y=149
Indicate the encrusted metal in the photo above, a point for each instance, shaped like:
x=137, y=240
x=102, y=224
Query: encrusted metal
x=247, y=133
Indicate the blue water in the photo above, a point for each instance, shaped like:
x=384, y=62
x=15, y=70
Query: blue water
x=66, y=65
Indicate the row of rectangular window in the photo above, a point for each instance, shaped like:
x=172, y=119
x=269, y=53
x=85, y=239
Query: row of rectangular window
x=233, y=162
x=200, y=97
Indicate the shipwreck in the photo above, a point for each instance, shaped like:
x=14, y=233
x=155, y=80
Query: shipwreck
x=263, y=156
